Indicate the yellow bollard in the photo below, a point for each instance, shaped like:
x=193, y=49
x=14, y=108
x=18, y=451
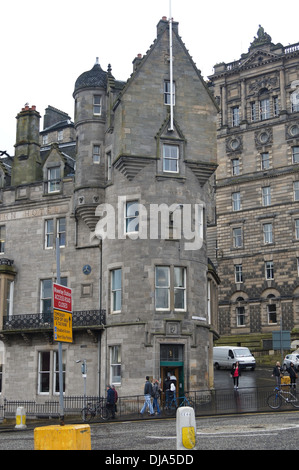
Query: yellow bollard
x=185, y=428
x=70, y=437
x=20, y=418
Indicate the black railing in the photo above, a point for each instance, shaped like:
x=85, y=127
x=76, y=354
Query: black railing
x=205, y=402
x=45, y=320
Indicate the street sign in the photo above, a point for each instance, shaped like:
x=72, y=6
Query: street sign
x=281, y=340
x=62, y=297
x=63, y=327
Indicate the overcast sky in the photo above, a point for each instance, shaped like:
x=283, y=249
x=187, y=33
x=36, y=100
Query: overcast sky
x=45, y=46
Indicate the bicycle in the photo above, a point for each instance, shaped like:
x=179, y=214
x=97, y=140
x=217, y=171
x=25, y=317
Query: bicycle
x=171, y=406
x=276, y=399
x=91, y=411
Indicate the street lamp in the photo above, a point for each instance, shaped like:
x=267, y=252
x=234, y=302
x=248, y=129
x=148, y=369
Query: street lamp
x=84, y=373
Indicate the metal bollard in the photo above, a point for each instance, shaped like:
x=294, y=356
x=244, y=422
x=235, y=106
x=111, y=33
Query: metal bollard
x=185, y=428
x=20, y=418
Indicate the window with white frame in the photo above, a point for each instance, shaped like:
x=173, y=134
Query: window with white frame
x=271, y=313
x=97, y=105
x=265, y=161
x=9, y=297
x=167, y=92
x=109, y=166
x=237, y=237
x=264, y=105
x=240, y=313
x=61, y=231
x=236, y=201
x=116, y=283
x=296, y=190
x=170, y=158
x=132, y=217
x=235, y=110
x=170, y=288
x=48, y=373
x=55, y=228
x=49, y=233
x=179, y=288
x=266, y=196
x=238, y=273
x=96, y=149
x=295, y=154
x=2, y=238
x=297, y=229
x=269, y=270
x=54, y=179
x=115, y=364
x=162, y=288
x=56, y=373
x=44, y=372
x=235, y=167
x=268, y=233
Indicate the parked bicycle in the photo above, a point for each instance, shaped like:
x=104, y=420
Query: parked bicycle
x=91, y=411
x=172, y=405
x=275, y=400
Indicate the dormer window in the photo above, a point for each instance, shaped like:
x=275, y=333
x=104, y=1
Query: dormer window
x=171, y=158
x=54, y=179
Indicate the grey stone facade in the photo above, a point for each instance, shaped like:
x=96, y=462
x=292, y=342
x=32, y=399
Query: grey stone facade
x=159, y=296
x=256, y=200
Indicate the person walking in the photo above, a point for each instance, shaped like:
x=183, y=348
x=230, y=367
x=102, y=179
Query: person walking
x=115, y=397
x=147, y=397
x=156, y=396
x=293, y=375
x=277, y=373
x=111, y=401
x=236, y=373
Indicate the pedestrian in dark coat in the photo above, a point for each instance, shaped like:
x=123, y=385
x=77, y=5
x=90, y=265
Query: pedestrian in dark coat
x=277, y=373
x=111, y=401
x=293, y=375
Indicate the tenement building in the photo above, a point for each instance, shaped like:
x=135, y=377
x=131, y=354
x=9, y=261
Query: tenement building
x=257, y=191
x=117, y=203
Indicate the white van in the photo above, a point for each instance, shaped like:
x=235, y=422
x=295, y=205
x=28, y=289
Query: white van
x=226, y=356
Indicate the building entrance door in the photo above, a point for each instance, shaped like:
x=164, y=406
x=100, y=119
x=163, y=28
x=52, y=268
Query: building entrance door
x=173, y=370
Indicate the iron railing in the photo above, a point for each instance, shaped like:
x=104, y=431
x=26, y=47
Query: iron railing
x=45, y=320
x=206, y=403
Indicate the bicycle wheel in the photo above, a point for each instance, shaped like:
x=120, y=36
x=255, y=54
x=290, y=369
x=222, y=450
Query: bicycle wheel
x=86, y=414
x=274, y=401
x=105, y=413
x=170, y=410
x=294, y=399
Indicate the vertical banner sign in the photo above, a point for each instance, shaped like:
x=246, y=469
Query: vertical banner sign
x=62, y=313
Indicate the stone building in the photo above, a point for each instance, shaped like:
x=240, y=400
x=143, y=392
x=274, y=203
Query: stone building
x=257, y=192
x=128, y=210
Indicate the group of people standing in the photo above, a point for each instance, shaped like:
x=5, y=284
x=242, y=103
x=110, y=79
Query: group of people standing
x=278, y=374
x=153, y=390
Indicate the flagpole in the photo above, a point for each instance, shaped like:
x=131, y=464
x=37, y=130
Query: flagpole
x=170, y=68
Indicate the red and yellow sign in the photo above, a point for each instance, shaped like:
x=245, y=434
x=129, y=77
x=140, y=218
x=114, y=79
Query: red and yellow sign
x=63, y=326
